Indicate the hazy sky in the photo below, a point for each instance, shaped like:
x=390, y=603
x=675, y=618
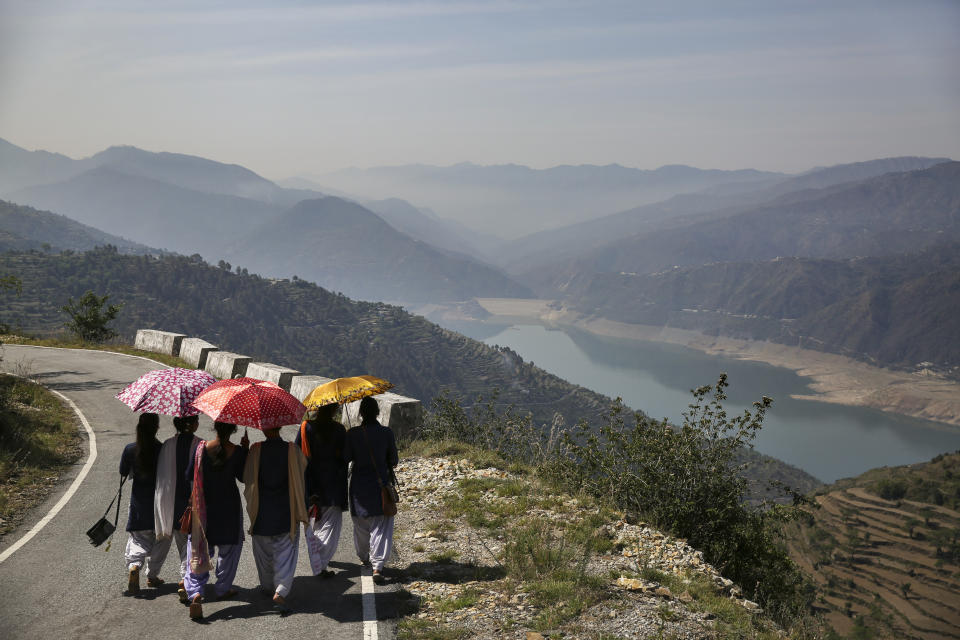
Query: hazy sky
x=303, y=87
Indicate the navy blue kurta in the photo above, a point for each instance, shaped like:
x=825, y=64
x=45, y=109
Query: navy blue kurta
x=326, y=474
x=181, y=494
x=273, y=485
x=365, y=498
x=224, y=509
x=141, y=493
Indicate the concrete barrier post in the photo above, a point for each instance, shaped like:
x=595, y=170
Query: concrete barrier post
x=224, y=364
x=301, y=386
x=280, y=376
x=163, y=342
x=403, y=415
x=195, y=351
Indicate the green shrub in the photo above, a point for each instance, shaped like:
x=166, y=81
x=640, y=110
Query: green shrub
x=686, y=480
x=891, y=489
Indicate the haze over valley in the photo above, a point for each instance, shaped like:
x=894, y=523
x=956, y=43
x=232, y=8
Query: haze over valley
x=534, y=212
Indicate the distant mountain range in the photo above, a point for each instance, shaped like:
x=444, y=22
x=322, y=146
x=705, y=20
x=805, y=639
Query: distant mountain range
x=892, y=213
x=514, y=200
x=192, y=205
x=564, y=244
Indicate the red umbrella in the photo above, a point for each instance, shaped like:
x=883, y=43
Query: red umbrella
x=250, y=403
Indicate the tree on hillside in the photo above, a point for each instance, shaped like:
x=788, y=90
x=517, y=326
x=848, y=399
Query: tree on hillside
x=10, y=283
x=89, y=318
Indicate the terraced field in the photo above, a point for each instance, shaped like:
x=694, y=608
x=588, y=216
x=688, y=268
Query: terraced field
x=891, y=565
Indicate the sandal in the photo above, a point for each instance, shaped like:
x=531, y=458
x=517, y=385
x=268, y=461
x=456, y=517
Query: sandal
x=133, y=581
x=280, y=605
x=377, y=577
x=196, y=608
x=154, y=582
x=182, y=593
x=229, y=595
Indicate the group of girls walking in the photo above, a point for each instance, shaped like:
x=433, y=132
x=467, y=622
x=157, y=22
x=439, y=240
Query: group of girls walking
x=185, y=490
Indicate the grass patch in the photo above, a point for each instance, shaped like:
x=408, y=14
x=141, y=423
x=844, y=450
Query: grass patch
x=469, y=597
x=76, y=344
x=447, y=556
x=38, y=440
x=416, y=629
x=551, y=565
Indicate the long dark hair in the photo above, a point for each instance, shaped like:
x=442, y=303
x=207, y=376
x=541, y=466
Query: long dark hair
x=219, y=453
x=146, y=449
x=325, y=427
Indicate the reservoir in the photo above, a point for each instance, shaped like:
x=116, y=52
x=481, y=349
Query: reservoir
x=829, y=441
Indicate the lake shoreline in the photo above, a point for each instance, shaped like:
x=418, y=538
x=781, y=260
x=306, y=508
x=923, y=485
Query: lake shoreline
x=833, y=378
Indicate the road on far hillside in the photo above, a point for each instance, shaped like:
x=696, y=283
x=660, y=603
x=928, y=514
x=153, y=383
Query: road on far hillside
x=59, y=586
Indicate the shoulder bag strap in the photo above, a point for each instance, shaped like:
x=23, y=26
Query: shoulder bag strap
x=363, y=430
x=116, y=499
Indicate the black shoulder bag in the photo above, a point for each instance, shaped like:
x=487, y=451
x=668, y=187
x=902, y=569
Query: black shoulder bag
x=103, y=529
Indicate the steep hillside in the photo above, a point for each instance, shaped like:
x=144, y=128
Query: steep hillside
x=896, y=310
x=556, y=246
x=345, y=247
x=893, y=213
x=27, y=228
x=884, y=550
x=149, y=211
x=293, y=322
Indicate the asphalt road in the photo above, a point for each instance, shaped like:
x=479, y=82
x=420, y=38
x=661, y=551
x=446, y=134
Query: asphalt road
x=59, y=586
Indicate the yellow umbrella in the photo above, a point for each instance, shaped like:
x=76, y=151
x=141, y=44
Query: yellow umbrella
x=344, y=390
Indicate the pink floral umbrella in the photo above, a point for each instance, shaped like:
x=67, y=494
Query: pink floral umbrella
x=250, y=403
x=168, y=392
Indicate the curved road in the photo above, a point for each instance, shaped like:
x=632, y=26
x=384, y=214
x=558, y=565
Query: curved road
x=58, y=585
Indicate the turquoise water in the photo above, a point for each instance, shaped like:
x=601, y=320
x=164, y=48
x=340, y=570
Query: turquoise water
x=827, y=440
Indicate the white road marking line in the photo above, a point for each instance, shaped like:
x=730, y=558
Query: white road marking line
x=73, y=487
x=369, y=597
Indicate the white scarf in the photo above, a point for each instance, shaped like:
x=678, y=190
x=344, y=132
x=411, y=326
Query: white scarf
x=164, y=519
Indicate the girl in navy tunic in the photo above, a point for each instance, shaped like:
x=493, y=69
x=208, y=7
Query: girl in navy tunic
x=322, y=440
x=139, y=460
x=274, y=488
x=221, y=467
x=367, y=445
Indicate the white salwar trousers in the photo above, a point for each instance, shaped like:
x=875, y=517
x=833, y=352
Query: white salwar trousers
x=323, y=536
x=144, y=551
x=276, y=560
x=181, y=540
x=373, y=539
